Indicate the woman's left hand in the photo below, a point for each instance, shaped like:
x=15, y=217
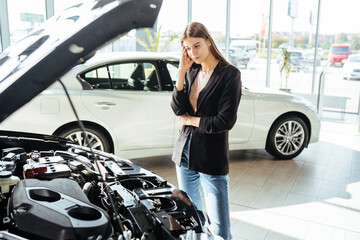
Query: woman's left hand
x=189, y=120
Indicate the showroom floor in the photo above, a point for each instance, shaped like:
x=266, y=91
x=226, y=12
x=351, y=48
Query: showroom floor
x=315, y=196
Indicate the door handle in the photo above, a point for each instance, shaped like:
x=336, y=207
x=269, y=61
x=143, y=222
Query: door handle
x=104, y=105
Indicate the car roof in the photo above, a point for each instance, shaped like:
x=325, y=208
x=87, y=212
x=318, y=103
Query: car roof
x=101, y=57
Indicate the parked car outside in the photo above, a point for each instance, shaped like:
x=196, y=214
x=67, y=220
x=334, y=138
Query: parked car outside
x=320, y=52
x=309, y=56
x=238, y=57
x=248, y=46
x=123, y=100
x=338, y=53
x=297, y=60
x=351, y=69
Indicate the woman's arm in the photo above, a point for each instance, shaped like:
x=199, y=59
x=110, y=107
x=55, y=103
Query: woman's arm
x=184, y=65
x=180, y=99
x=227, y=106
x=189, y=120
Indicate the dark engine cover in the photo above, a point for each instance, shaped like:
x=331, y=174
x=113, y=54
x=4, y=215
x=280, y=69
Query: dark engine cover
x=56, y=209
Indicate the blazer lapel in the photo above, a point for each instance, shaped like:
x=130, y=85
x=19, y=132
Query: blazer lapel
x=214, y=78
x=192, y=75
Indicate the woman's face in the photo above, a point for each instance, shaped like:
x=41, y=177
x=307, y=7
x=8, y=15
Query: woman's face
x=197, y=48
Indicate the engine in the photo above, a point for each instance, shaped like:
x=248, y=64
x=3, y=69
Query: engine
x=64, y=191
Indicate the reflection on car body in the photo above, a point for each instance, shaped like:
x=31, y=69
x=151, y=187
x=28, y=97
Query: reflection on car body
x=123, y=100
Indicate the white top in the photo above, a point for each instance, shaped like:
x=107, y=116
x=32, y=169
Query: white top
x=200, y=82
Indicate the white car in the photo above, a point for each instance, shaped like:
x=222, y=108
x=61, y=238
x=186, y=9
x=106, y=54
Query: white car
x=124, y=99
x=351, y=68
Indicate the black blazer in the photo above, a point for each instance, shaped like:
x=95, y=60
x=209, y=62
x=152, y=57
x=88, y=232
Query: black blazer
x=217, y=106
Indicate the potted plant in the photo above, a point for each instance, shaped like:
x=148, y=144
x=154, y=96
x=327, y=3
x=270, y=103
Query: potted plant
x=285, y=69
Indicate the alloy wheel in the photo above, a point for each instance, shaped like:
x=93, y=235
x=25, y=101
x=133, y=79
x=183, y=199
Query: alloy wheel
x=79, y=138
x=289, y=137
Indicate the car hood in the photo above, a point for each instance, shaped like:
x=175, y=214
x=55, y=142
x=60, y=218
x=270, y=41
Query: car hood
x=276, y=95
x=31, y=65
x=268, y=92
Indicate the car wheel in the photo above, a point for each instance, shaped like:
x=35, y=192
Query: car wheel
x=96, y=138
x=287, y=137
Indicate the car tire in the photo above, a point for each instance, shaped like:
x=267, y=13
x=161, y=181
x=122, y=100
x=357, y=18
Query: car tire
x=287, y=138
x=97, y=139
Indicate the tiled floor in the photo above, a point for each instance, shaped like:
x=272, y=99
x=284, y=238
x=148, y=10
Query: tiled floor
x=315, y=196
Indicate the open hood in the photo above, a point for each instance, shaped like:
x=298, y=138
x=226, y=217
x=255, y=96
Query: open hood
x=31, y=65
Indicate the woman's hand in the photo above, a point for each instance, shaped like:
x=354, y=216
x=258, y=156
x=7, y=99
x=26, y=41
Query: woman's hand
x=185, y=60
x=189, y=120
x=185, y=64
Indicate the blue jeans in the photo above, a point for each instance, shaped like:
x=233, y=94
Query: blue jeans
x=216, y=193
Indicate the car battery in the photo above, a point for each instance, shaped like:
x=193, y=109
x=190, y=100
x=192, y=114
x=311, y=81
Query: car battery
x=46, y=171
x=49, y=160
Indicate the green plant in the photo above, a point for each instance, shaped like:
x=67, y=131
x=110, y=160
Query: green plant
x=285, y=66
x=152, y=44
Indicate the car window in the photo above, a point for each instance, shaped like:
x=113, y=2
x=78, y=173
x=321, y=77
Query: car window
x=296, y=54
x=173, y=69
x=98, y=78
x=121, y=70
x=124, y=76
x=354, y=59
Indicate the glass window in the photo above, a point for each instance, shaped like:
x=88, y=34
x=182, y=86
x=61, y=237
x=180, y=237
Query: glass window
x=211, y=13
x=247, y=50
x=124, y=76
x=294, y=25
x=123, y=70
x=340, y=37
x=173, y=70
x=24, y=16
x=172, y=19
x=98, y=78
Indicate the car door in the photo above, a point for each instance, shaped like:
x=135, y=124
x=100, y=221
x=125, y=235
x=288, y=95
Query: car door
x=127, y=97
x=243, y=127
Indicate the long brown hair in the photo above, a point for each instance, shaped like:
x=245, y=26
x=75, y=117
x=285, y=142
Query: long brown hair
x=196, y=29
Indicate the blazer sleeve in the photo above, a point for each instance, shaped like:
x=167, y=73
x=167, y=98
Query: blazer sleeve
x=227, y=107
x=180, y=100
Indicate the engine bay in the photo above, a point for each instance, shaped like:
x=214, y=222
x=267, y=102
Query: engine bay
x=53, y=189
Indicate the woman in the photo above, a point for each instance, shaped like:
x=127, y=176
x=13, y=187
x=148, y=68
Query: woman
x=206, y=98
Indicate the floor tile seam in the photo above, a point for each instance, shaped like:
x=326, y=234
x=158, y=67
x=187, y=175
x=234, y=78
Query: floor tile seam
x=248, y=207
x=321, y=186
x=259, y=191
x=237, y=204
x=297, y=177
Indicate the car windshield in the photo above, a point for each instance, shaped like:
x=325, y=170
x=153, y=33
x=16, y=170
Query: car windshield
x=354, y=59
x=239, y=46
x=297, y=54
x=340, y=49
